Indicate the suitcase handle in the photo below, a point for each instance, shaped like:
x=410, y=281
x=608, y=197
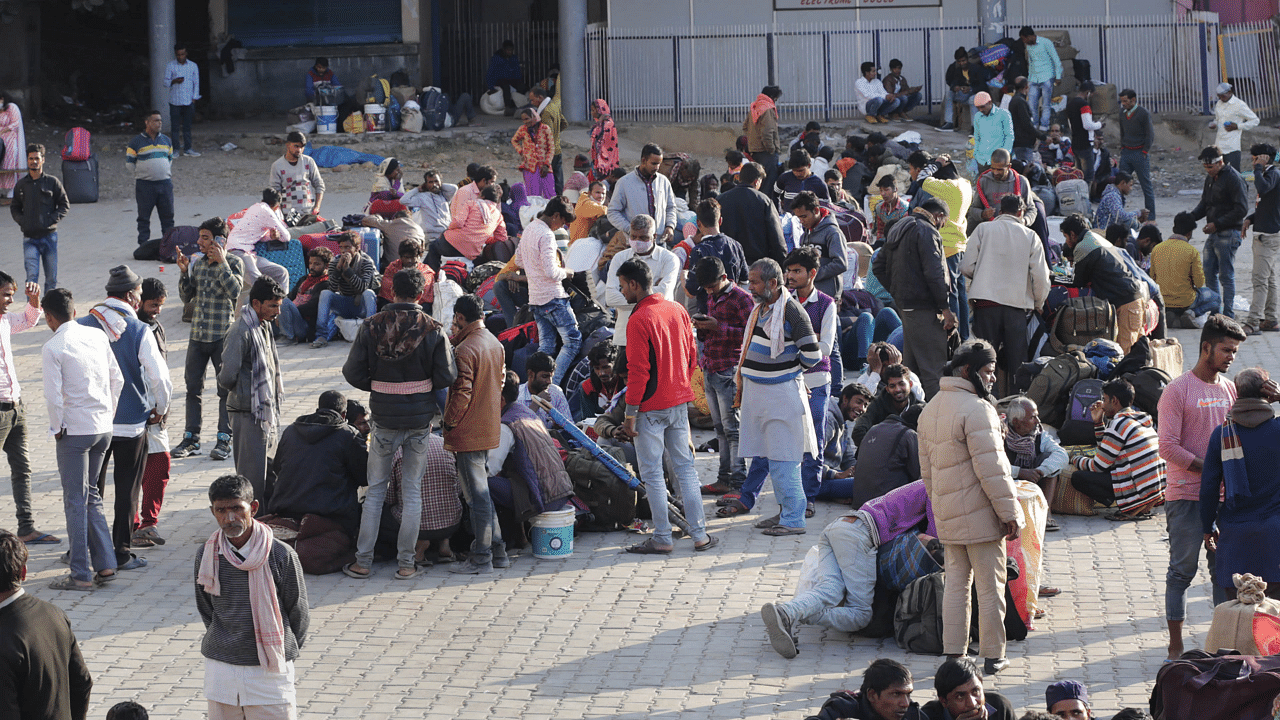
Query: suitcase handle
x=1238, y=667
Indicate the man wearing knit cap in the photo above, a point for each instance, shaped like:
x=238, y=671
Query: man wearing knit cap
x=992, y=129
x=144, y=400
x=1068, y=699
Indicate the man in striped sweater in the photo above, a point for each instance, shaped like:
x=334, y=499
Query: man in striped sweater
x=775, y=423
x=1127, y=470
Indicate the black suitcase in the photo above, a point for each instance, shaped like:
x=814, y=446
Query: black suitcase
x=80, y=179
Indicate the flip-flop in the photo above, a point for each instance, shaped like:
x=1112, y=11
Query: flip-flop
x=445, y=559
x=1048, y=592
x=1051, y=525
x=346, y=570
x=648, y=548
x=711, y=542
x=66, y=582
x=43, y=539
x=417, y=570
x=1125, y=517
x=103, y=579
x=728, y=498
x=781, y=530
x=732, y=508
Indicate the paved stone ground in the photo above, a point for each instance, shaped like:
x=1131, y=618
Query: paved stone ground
x=600, y=634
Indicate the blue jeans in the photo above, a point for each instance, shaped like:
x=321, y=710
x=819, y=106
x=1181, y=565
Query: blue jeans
x=181, y=115
x=80, y=459
x=910, y=102
x=881, y=106
x=555, y=318
x=958, y=299
x=1218, y=259
x=787, y=488
x=668, y=429
x=949, y=99
x=510, y=301
x=811, y=468
x=157, y=195
x=1186, y=537
x=41, y=250
x=291, y=323
x=1040, y=97
x=720, y=392
x=333, y=305
x=835, y=489
x=473, y=477
x=838, y=592
x=1136, y=163
x=382, y=450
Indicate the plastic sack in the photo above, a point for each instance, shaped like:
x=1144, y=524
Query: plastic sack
x=354, y=123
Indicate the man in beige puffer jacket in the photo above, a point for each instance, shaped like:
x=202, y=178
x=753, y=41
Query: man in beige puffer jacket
x=971, y=487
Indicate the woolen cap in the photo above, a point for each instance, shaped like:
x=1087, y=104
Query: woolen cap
x=1065, y=690
x=122, y=279
x=981, y=98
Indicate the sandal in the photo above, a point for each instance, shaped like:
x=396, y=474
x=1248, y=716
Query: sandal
x=717, y=488
x=67, y=582
x=781, y=530
x=1125, y=517
x=732, y=508
x=346, y=570
x=1051, y=525
x=728, y=498
x=1270, y=326
x=1048, y=592
x=148, y=533
x=769, y=522
x=649, y=547
x=810, y=510
x=417, y=570
x=711, y=542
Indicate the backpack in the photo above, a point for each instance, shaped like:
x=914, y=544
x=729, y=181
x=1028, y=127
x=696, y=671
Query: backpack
x=435, y=108
x=917, y=618
x=1051, y=387
x=481, y=273
x=850, y=222
x=75, y=145
x=1073, y=196
x=379, y=91
x=1077, y=429
x=1225, y=686
x=1148, y=385
x=1027, y=373
x=1081, y=320
x=611, y=501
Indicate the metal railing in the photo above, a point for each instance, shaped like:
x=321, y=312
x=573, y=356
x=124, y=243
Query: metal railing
x=710, y=74
x=465, y=50
x=1249, y=59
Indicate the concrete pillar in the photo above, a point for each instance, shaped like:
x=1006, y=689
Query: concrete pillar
x=573, y=59
x=163, y=30
x=991, y=14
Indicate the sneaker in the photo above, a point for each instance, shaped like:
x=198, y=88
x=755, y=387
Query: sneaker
x=222, y=450
x=502, y=561
x=319, y=343
x=191, y=153
x=781, y=630
x=947, y=126
x=189, y=446
x=872, y=119
x=471, y=568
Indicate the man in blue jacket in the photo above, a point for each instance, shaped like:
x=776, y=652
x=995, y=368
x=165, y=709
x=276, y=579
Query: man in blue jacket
x=504, y=73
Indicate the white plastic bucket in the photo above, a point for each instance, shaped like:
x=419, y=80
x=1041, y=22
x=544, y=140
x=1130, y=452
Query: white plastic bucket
x=327, y=120
x=553, y=534
x=375, y=119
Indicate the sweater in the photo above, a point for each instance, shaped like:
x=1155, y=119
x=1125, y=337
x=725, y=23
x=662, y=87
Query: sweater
x=43, y=676
x=998, y=253
x=299, y=183
x=902, y=509
x=834, y=261
x=1176, y=266
x=990, y=131
x=536, y=253
x=988, y=190
x=1136, y=131
x=151, y=158
x=800, y=349
x=1129, y=450
x=1190, y=410
x=660, y=356
x=358, y=276
x=228, y=616
x=788, y=185
x=958, y=195
x=750, y=217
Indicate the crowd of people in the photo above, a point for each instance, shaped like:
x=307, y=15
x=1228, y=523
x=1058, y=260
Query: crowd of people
x=848, y=347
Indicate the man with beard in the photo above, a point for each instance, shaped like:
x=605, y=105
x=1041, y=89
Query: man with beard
x=253, y=600
x=893, y=399
x=644, y=192
x=963, y=463
x=885, y=695
x=298, y=312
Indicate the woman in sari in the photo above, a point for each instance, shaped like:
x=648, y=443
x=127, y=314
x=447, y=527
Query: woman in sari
x=604, y=141
x=14, y=140
x=533, y=141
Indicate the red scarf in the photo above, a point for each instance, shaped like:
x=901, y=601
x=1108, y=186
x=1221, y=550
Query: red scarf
x=763, y=103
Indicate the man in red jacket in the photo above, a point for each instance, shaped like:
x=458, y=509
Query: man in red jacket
x=660, y=362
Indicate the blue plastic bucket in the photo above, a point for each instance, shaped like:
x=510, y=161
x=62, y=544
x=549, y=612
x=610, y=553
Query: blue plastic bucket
x=327, y=120
x=553, y=534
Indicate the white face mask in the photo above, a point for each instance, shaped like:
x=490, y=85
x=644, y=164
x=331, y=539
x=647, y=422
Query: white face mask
x=642, y=247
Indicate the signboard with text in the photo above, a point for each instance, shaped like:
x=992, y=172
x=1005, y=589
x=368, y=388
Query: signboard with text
x=850, y=4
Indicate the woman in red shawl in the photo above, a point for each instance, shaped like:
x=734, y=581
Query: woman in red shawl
x=604, y=141
x=533, y=141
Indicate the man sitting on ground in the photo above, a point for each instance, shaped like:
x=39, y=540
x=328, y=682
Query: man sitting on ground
x=1068, y=700
x=1127, y=470
x=893, y=399
x=889, y=456
x=958, y=683
x=320, y=464
x=527, y=454
x=298, y=311
x=1034, y=455
x=601, y=386
x=885, y=695
x=540, y=368
x=352, y=279
x=410, y=256
x=839, y=452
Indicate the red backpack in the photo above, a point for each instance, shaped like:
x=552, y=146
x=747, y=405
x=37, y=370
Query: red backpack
x=75, y=146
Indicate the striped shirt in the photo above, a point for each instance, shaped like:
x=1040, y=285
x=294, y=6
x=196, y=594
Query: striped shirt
x=187, y=91
x=1129, y=449
x=150, y=158
x=215, y=288
x=228, y=617
x=800, y=352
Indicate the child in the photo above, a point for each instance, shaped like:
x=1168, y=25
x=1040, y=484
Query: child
x=735, y=160
x=890, y=210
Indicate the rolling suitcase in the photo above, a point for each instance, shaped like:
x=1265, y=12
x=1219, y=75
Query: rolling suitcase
x=80, y=179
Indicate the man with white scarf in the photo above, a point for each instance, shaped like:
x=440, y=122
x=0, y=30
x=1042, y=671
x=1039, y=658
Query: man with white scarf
x=253, y=600
x=780, y=344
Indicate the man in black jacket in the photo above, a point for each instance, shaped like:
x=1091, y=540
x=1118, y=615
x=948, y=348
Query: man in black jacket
x=963, y=80
x=893, y=399
x=750, y=217
x=1025, y=132
x=402, y=356
x=1098, y=264
x=1223, y=206
x=912, y=267
x=1264, y=313
x=42, y=674
x=958, y=683
x=320, y=464
x=885, y=695
x=39, y=204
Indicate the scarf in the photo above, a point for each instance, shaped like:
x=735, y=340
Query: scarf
x=267, y=389
x=775, y=325
x=268, y=627
x=762, y=104
x=1249, y=412
x=113, y=320
x=1023, y=447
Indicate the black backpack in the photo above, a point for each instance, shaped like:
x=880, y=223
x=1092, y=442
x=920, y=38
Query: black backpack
x=917, y=618
x=611, y=501
x=1148, y=385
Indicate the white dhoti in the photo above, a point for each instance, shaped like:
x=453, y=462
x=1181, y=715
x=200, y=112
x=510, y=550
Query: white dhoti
x=775, y=422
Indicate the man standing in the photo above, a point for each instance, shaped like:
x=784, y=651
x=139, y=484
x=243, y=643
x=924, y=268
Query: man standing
x=150, y=156
x=720, y=330
x=472, y=424
x=353, y=284
x=261, y=221
x=1025, y=132
x=1191, y=407
x=664, y=269
x=13, y=412
x=994, y=184
x=1009, y=278
x=801, y=270
x=1080, y=117
x=548, y=299
x=938, y=178
x=660, y=362
x=1136, y=136
x=1100, y=265
x=1231, y=117
x=212, y=282
x=1264, y=312
x=761, y=129
x=39, y=204
x=1043, y=70
x=992, y=129
x=82, y=384
x=1223, y=206
x=144, y=400
x=401, y=356
x=155, y=475
x=42, y=674
x=645, y=192
x=182, y=77
x=823, y=234
x=253, y=600
x=297, y=177
x=975, y=504
x=750, y=217
x=912, y=268
x=780, y=345
x=250, y=374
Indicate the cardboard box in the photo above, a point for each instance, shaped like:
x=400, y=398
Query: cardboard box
x=1105, y=99
x=1060, y=38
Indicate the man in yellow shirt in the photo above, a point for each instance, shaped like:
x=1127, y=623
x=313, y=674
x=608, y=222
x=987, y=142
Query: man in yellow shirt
x=938, y=178
x=1176, y=268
